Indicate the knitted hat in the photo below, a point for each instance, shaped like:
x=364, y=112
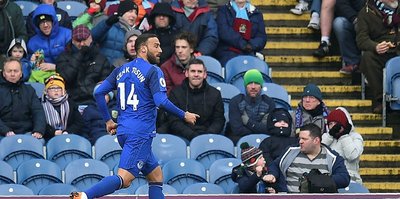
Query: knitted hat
x=249, y=154
x=162, y=8
x=253, y=75
x=126, y=6
x=337, y=116
x=101, y=3
x=110, y=94
x=55, y=80
x=130, y=33
x=312, y=90
x=43, y=17
x=80, y=33
x=281, y=115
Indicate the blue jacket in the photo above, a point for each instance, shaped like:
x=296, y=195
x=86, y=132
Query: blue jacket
x=54, y=44
x=229, y=38
x=203, y=25
x=336, y=167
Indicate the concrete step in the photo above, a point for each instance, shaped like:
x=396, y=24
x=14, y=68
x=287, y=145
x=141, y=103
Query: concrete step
x=302, y=61
x=382, y=187
x=289, y=31
x=378, y=174
x=376, y=133
x=329, y=91
x=381, y=146
x=380, y=160
x=274, y=3
x=339, y=102
x=292, y=45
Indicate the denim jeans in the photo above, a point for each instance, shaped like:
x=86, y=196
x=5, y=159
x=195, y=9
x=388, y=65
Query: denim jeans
x=346, y=36
x=315, y=6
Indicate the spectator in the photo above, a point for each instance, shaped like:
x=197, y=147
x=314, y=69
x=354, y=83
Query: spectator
x=129, y=48
x=174, y=67
x=377, y=39
x=12, y=25
x=251, y=171
x=311, y=154
x=248, y=113
x=20, y=109
x=315, y=11
x=311, y=108
x=94, y=121
x=144, y=9
x=197, y=96
x=243, y=30
x=343, y=138
x=196, y=17
x=162, y=21
x=280, y=128
x=346, y=18
x=18, y=50
x=109, y=33
x=82, y=66
x=93, y=15
x=62, y=17
x=62, y=115
x=215, y=4
x=49, y=38
x=327, y=14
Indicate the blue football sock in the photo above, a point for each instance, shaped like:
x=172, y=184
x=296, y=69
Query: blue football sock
x=155, y=190
x=106, y=186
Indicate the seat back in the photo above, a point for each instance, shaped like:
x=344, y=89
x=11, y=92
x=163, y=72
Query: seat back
x=14, y=189
x=38, y=173
x=84, y=173
x=26, y=7
x=220, y=173
x=180, y=173
x=19, y=148
x=214, y=69
x=252, y=139
x=167, y=147
x=203, y=188
x=228, y=91
x=57, y=189
x=393, y=82
x=6, y=173
x=63, y=149
x=278, y=93
x=108, y=150
x=167, y=190
x=73, y=8
x=39, y=88
x=208, y=148
x=236, y=67
x=354, y=187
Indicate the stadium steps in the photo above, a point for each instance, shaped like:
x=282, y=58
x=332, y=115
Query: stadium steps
x=289, y=54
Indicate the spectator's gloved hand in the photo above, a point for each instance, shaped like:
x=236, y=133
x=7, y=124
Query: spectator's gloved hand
x=248, y=48
x=337, y=131
x=245, y=118
x=92, y=11
x=112, y=20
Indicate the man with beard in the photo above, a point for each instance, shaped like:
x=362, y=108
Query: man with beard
x=248, y=113
x=141, y=89
x=82, y=66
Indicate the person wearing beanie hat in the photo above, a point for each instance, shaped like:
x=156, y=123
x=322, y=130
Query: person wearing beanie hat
x=248, y=112
x=93, y=15
x=18, y=50
x=251, y=171
x=343, y=138
x=62, y=115
x=129, y=48
x=128, y=10
x=311, y=108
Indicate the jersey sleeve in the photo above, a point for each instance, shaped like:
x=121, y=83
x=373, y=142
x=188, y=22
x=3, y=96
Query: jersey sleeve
x=109, y=84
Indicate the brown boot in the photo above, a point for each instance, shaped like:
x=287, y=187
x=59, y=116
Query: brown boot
x=378, y=109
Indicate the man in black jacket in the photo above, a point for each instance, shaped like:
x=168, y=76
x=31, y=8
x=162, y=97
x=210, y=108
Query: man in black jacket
x=197, y=96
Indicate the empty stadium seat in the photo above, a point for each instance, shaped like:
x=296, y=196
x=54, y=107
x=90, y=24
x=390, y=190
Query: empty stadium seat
x=19, y=148
x=236, y=67
x=391, y=86
x=14, y=189
x=207, y=148
x=203, y=188
x=252, y=139
x=108, y=150
x=228, y=91
x=84, y=173
x=354, y=187
x=6, y=173
x=73, y=8
x=63, y=149
x=278, y=93
x=220, y=173
x=180, y=173
x=26, y=7
x=214, y=69
x=38, y=173
x=57, y=189
x=167, y=147
x=167, y=189
x=39, y=88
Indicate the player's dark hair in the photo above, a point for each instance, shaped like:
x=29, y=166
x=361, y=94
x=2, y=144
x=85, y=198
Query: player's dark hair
x=142, y=40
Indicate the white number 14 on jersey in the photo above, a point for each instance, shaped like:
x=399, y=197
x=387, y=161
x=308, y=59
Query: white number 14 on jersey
x=130, y=100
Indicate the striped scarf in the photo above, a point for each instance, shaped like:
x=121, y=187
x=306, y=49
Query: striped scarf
x=391, y=19
x=53, y=118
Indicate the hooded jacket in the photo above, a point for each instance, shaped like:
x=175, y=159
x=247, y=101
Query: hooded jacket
x=349, y=146
x=26, y=64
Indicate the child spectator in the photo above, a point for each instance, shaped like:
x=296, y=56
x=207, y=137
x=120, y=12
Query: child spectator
x=18, y=50
x=93, y=15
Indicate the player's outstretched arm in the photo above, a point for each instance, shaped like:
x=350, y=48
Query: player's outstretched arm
x=191, y=117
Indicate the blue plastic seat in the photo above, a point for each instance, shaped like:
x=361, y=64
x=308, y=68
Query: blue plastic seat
x=6, y=173
x=167, y=190
x=220, y=173
x=208, y=148
x=57, y=189
x=203, y=188
x=38, y=173
x=14, y=190
x=278, y=93
x=228, y=91
x=19, y=148
x=252, y=139
x=84, y=173
x=180, y=173
x=73, y=8
x=26, y=7
x=354, y=187
x=391, y=86
x=63, y=149
x=167, y=147
x=39, y=88
x=108, y=150
x=214, y=69
x=236, y=67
